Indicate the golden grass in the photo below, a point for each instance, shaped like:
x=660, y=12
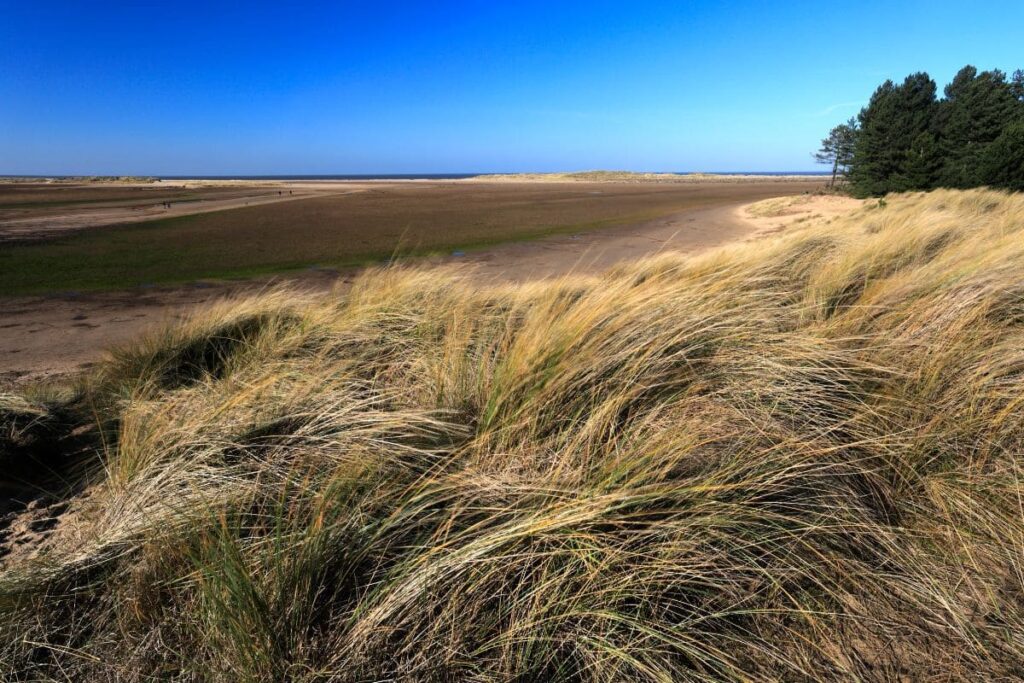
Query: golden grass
x=793, y=459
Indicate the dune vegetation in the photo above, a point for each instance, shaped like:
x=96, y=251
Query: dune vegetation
x=797, y=459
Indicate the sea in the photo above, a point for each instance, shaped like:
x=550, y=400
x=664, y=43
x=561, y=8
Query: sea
x=386, y=176
x=440, y=176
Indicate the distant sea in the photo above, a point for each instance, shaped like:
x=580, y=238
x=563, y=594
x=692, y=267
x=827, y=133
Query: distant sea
x=360, y=176
x=436, y=176
x=384, y=176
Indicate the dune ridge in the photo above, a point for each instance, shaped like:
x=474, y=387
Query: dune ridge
x=796, y=458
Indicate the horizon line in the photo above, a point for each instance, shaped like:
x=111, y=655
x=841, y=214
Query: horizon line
x=176, y=176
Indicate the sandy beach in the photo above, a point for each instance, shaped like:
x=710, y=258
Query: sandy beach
x=54, y=335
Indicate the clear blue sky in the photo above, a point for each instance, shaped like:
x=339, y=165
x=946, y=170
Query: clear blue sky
x=178, y=87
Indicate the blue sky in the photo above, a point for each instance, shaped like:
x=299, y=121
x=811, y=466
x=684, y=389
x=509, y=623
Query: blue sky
x=289, y=88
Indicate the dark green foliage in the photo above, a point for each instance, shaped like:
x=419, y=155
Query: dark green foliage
x=977, y=108
x=909, y=140
x=1003, y=163
x=1017, y=84
x=894, y=119
x=924, y=161
x=837, y=149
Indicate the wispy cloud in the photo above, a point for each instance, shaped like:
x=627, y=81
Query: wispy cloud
x=836, y=107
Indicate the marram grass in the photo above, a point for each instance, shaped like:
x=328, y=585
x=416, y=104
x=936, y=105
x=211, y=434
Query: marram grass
x=796, y=459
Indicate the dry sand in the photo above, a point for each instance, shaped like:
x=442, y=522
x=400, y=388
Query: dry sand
x=775, y=215
x=631, y=177
x=47, y=337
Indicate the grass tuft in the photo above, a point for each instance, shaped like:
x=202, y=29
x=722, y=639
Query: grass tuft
x=792, y=459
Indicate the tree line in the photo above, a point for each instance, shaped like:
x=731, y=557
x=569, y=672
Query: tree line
x=907, y=138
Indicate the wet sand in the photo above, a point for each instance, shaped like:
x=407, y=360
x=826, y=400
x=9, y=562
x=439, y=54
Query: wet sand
x=48, y=336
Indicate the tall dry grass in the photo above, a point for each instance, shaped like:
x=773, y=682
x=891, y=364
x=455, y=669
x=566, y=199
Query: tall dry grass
x=792, y=459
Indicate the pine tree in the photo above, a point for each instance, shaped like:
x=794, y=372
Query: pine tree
x=1017, y=84
x=873, y=162
x=924, y=162
x=977, y=108
x=907, y=140
x=1003, y=162
x=893, y=120
x=838, y=148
